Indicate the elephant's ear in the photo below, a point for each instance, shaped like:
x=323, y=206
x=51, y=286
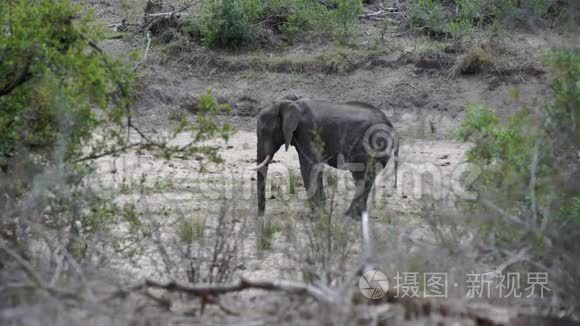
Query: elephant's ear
x=290, y=113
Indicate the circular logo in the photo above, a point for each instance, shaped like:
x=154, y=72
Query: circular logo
x=373, y=284
x=379, y=140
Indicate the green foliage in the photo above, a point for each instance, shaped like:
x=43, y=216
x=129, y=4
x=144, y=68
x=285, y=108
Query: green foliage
x=265, y=232
x=190, y=229
x=46, y=50
x=437, y=20
x=426, y=14
x=293, y=180
x=64, y=104
x=237, y=23
x=313, y=17
x=204, y=128
x=304, y=17
x=460, y=18
x=346, y=16
x=228, y=23
x=530, y=169
x=507, y=144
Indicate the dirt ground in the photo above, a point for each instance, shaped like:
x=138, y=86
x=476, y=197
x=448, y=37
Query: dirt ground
x=416, y=89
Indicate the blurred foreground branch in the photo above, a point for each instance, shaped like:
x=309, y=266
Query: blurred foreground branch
x=321, y=294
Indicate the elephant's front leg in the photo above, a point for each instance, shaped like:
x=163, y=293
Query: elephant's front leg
x=312, y=176
x=364, y=183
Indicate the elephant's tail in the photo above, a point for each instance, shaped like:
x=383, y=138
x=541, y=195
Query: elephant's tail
x=396, y=157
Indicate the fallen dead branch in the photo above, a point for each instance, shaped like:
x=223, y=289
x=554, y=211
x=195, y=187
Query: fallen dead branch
x=148, y=45
x=381, y=15
x=174, y=12
x=321, y=294
x=35, y=278
x=164, y=14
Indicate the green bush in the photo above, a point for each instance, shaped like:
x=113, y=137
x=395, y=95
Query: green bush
x=64, y=104
x=346, y=16
x=427, y=14
x=460, y=18
x=237, y=23
x=530, y=174
x=58, y=76
x=303, y=17
x=229, y=23
x=190, y=229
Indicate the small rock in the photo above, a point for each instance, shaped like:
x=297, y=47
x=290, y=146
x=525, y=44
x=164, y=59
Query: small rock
x=241, y=266
x=443, y=157
x=252, y=179
x=493, y=83
x=445, y=163
x=246, y=106
x=230, y=146
x=189, y=103
x=171, y=165
x=223, y=100
x=404, y=196
x=198, y=158
x=161, y=94
x=272, y=197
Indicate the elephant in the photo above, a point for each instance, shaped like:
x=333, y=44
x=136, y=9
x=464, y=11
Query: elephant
x=353, y=136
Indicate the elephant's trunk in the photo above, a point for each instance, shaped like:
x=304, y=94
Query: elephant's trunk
x=262, y=173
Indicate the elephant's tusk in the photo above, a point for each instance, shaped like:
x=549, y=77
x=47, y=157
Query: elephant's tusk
x=266, y=161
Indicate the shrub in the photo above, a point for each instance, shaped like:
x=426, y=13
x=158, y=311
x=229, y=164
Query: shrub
x=229, y=23
x=265, y=232
x=530, y=173
x=293, y=183
x=427, y=14
x=64, y=104
x=346, y=17
x=237, y=23
x=460, y=18
x=302, y=17
x=190, y=229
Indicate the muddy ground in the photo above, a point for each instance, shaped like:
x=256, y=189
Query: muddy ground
x=410, y=78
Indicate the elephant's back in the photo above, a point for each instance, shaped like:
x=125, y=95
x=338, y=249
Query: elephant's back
x=366, y=111
x=353, y=109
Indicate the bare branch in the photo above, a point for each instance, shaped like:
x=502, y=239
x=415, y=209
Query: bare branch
x=293, y=287
x=171, y=13
x=35, y=278
x=381, y=15
x=513, y=259
x=148, y=45
x=533, y=168
x=164, y=14
x=23, y=77
x=58, y=271
x=110, y=152
x=498, y=209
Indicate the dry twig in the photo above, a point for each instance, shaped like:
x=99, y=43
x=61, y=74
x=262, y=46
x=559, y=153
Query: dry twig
x=35, y=277
x=211, y=290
